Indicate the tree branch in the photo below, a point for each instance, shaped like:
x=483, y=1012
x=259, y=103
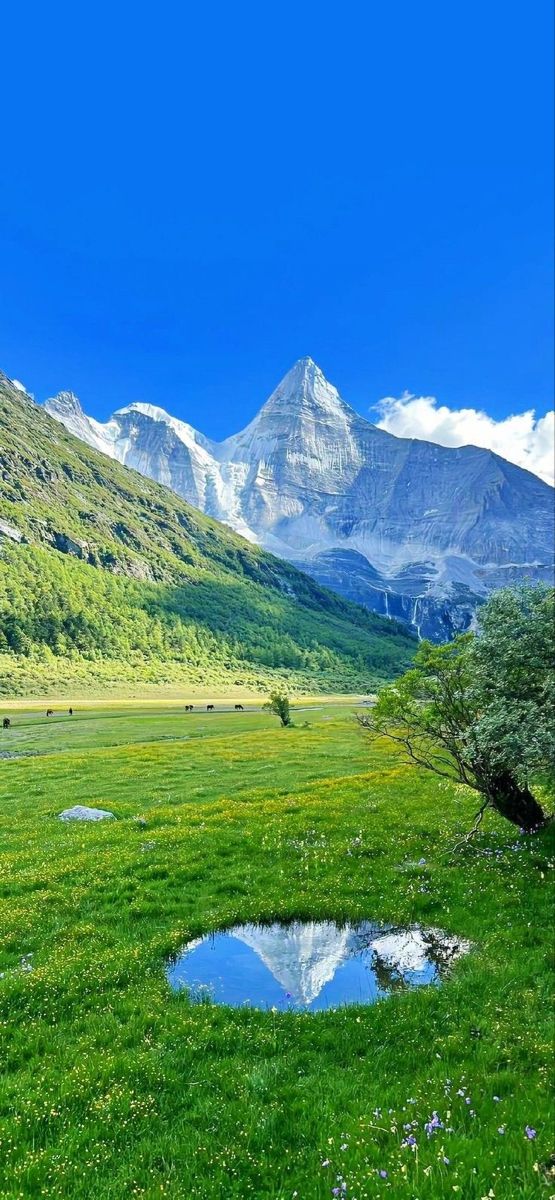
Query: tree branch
x=477, y=822
x=455, y=770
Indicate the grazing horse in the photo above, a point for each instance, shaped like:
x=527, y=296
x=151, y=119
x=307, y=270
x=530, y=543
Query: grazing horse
x=6, y=723
x=210, y=708
x=50, y=712
x=70, y=711
x=239, y=708
x=188, y=708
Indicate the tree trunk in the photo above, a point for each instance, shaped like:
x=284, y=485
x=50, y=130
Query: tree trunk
x=515, y=803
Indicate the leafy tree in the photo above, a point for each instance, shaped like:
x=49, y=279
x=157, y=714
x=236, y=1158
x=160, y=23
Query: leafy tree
x=278, y=704
x=512, y=665
x=480, y=710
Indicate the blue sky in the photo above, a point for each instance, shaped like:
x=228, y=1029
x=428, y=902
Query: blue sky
x=192, y=199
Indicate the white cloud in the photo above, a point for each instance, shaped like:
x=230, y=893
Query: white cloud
x=522, y=439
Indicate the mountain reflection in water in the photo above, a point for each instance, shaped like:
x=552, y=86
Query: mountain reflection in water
x=312, y=965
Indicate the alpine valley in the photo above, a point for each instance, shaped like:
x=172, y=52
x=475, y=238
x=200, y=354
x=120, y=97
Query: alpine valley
x=109, y=580
x=407, y=528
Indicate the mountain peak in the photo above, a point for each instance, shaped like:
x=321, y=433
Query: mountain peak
x=148, y=410
x=304, y=391
x=66, y=403
x=185, y=432
x=306, y=366
x=305, y=374
x=66, y=407
x=304, y=421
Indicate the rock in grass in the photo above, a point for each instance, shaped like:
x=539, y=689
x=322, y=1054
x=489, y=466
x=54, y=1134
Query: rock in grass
x=80, y=812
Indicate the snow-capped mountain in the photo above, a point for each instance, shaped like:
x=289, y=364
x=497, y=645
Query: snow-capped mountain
x=409, y=528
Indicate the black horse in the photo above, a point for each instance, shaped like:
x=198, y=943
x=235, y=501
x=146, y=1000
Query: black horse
x=6, y=723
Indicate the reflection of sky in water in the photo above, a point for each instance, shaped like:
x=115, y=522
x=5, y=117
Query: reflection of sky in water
x=313, y=965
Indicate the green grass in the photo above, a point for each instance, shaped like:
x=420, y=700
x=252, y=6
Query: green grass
x=114, y=1087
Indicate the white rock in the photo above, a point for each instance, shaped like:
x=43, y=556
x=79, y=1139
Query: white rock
x=10, y=531
x=80, y=812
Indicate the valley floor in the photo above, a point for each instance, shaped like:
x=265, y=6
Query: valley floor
x=112, y=1086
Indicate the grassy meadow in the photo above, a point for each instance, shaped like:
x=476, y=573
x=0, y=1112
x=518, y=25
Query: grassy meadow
x=112, y=1086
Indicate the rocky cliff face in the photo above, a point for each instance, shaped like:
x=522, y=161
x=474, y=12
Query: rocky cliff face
x=411, y=529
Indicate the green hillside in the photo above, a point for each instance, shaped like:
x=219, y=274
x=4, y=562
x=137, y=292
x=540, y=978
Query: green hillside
x=108, y=579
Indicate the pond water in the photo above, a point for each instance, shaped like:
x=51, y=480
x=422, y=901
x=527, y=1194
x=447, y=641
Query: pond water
x=311, y=966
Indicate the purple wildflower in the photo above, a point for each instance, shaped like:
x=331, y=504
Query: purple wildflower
x=409, y=1141
x=446, y=1160
x=383, y=1174
x=433, y=1124
x=530, y=1133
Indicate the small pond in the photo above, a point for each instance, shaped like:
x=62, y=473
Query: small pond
x=312, y=965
